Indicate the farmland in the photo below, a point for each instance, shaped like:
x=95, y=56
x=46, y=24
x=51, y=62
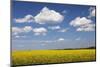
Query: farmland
x=34, y=57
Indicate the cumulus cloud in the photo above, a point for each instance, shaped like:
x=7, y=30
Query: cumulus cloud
x=48, y=16
x=40, y=31
x=92, y=12
x=17, y=30
x=78, y=39
x=61, y=39
x=54, y=27
x=83, y=24
x=43, y=44
x=19, y=36
x=44, y=16
x=78, y=21
x=89, y=27
x=27, y=28
x=58, y=28
x=63, y=30
x=64, y=11
x=27, y=18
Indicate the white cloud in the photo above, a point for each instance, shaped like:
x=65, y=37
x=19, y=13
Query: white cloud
x=54, y=27
x=83, y=24
x=64, y=11
x=61, y=39
x=49, y=41
x=92, y=12
x=78, y=39
x=27, y=18
x=44, y=16
x=17, y=30
x=48, y=16
x=58, y=28
x=43, y=44
x=63, y=30
x=18, y=36
x=40, y=31
x=78, y=21
x=89, y=27
x=27, y=28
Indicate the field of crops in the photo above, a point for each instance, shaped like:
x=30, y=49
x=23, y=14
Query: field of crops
x=34, y=57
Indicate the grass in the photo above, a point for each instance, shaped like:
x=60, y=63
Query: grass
x=34, y=57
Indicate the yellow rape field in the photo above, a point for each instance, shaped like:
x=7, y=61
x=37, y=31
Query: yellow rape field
x=34, y=57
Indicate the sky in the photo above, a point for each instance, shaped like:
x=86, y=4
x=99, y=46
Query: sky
x=37, y=26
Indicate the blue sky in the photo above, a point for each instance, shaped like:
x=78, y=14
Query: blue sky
x=52, y=26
